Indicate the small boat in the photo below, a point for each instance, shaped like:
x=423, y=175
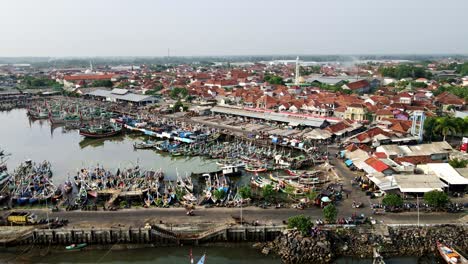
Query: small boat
x=144, y=145
x=100, y=131
x=202, y=260
x=450, y=255
x=76, y=246
x=255, y=169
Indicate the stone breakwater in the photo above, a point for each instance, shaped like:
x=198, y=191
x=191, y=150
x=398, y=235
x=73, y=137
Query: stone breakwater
x=325, y=245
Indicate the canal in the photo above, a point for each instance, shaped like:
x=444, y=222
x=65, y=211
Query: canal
x=68, y=151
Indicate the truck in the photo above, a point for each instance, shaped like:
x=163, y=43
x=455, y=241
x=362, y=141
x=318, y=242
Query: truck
x=22, y=218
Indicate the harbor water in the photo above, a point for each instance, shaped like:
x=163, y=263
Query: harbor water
x=226, y=254
x=68, y=151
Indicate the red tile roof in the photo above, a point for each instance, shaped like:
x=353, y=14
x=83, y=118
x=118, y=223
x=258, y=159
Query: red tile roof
x=415, y=160
x=88, y=77
x=376, y=164
x=358, y=85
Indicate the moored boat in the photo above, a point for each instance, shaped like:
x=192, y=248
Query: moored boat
x=100, y=131
x=450, y=255
x=76, y=246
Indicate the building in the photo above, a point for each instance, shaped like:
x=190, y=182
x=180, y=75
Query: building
x=447, y=174
x=356, y=112
x=361, y=86
x=291, y=119
x=122, y=95
x=436, y=151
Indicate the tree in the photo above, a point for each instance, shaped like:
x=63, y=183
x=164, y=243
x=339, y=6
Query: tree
x=311, y=195
x=445, y=126
x=392, y=200
x=102, y=83
x=436, y=199
x=300, y=222
x=330, y=213
x=268, y=192
x=245, y=192
x=178, y=93
x=273, y=79
x=219, y=194
x=178, y=106
x=458, y=163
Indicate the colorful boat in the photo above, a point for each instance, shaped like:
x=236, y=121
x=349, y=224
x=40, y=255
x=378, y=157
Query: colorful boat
x=101, y=131
x=450, y=255
x=76, y=246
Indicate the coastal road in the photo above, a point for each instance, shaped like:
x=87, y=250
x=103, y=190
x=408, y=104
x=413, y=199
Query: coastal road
x=176, y=216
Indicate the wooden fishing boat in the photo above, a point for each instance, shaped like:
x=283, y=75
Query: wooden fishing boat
x=450, y=255
x=100, y=131
x=255, y=169
x=144, y=145
x=76, y=246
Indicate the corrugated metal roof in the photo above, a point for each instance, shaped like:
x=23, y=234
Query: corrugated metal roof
x=447, y=173
x=312, y=122
x=131, y=97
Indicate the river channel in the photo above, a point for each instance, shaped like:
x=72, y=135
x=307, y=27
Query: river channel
x=68, y=151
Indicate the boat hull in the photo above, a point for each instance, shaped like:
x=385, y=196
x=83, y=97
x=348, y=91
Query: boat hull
x=103, y=135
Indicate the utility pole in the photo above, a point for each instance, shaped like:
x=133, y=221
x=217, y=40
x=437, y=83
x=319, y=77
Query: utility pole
x=417, y=199
x=241, y=211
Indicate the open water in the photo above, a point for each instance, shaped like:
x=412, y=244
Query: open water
x=68, y=151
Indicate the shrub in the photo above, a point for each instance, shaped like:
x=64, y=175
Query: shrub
x=300, y=222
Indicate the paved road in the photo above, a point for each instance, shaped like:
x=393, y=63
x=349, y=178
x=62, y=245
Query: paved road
x=140, y=216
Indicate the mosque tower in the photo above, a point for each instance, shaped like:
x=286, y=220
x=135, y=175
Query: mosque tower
x=297, y=75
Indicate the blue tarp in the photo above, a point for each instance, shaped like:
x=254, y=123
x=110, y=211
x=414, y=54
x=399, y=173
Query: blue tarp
x=348, y=162
x=274, y=140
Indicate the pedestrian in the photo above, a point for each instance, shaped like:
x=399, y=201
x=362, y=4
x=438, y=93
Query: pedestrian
x=347, y=195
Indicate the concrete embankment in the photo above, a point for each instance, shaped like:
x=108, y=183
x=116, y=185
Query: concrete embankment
x=325, y=245
x=148, y=235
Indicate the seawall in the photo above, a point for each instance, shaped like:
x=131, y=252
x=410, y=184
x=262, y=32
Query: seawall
x=324, y=245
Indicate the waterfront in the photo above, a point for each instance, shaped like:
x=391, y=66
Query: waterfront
x=68, y=151
x=228, y=254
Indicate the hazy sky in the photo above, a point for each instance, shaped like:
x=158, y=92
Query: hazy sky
x=231, y=27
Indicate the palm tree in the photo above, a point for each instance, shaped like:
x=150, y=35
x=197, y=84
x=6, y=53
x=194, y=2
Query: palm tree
x=445, y=126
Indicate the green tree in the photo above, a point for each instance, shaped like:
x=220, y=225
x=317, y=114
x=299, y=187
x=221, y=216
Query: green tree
x=458, y=163
x=330, y=213
x=436, y=199
x=445, y=126
x=178, y=93
x=462, y=69
x=245, y=192
x=311, y=195
x=102, y=83
x=273, y=79
x=219, y=194
x=392, y=200
x=268, y=192
x=178, y=106
x=301, y=222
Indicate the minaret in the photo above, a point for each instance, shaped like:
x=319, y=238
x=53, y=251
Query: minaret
x=297, y=75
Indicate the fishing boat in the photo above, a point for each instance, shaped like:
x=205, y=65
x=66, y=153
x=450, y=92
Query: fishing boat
x=202, y=260
x=450, y=255
x=101, y=131
x=144, y=145
x=251, y=168
x=76, y=246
